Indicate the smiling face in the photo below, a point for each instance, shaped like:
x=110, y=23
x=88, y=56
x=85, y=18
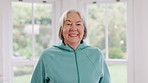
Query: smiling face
x=73, y=29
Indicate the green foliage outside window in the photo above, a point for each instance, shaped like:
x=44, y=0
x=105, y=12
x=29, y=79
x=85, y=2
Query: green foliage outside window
x=23, y=31
x=113, y=16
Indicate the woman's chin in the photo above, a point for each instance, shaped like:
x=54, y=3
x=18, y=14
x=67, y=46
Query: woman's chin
x=74, y=42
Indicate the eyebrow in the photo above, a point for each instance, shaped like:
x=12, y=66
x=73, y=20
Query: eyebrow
x=76, y=21
x=68, y=20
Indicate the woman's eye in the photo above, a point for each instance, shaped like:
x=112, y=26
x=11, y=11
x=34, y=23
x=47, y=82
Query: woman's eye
x=69, y=24
x=78, y=24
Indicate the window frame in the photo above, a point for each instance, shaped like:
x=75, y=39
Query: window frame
x=33, y=61
x=109, y=61
x=128, y=62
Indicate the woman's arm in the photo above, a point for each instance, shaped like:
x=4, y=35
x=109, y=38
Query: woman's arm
x=39, y=72
x=105, y=72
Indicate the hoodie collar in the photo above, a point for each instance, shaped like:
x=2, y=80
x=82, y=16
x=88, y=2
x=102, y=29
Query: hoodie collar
x=66, y=47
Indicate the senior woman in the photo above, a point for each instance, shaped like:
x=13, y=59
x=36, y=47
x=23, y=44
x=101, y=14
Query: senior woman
x=72, y=61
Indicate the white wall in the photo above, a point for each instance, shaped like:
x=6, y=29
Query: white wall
x=141, y=40
x=1, y=60
x=5, y=44
x=72, y=4
x=69, y=4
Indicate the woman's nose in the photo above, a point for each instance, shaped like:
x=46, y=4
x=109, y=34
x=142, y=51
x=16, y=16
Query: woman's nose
x=73, y=28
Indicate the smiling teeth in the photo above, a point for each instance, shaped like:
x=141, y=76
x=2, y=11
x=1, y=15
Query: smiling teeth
x=73, y=35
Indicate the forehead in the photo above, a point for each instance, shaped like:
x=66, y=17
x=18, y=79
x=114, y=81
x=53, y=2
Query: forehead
x=73, y=16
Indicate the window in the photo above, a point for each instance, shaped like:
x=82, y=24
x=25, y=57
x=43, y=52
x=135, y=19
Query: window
x=22, y=73
x=32, y=32
x=22, y=30
x=107, y=31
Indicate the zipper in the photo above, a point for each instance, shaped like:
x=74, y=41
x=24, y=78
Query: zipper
x=77, y=66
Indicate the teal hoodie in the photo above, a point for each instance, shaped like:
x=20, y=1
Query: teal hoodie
x=62, y=64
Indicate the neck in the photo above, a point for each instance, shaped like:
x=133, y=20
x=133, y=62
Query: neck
x=73, y=45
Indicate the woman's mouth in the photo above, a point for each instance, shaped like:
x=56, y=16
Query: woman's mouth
x=73, y=35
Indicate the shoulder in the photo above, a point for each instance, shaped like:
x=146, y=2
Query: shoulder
x=50, y=50
x=93, y=49
x=49, y=53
